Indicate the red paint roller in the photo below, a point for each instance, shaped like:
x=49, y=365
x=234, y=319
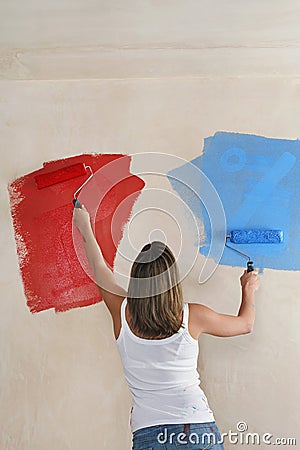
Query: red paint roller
x=64, y=174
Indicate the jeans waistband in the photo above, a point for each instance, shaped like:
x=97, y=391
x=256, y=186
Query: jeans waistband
x=148, y=431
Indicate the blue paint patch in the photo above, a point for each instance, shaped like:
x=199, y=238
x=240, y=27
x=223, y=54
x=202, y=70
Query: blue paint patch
x=258, y=181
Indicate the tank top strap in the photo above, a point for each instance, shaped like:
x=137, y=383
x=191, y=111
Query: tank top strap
x=123, y=317
x=185, y=315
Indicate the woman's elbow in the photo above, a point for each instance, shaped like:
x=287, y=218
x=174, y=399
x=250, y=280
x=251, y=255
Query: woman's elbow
x=248, y=328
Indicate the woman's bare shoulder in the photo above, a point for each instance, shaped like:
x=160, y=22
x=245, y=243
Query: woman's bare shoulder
x=195, y=310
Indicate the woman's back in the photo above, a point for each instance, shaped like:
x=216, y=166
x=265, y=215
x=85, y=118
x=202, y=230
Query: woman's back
x=162, y=376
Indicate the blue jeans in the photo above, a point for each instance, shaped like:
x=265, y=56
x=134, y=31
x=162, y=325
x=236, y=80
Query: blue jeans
x=194, y=436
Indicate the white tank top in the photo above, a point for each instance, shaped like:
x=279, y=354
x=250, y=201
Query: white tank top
x=162, y=377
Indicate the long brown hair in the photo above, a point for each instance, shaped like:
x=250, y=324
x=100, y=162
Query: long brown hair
x=154, y=298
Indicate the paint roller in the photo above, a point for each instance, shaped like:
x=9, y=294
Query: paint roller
x=65, y=174
x=255, y=236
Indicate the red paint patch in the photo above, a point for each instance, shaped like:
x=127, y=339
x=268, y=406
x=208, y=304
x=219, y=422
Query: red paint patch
x=52, y=274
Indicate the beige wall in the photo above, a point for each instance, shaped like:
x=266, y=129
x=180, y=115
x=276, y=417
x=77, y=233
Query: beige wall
x=128, y=77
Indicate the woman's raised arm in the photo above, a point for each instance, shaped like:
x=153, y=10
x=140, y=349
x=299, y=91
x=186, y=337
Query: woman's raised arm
x=206, y=320
x=110, y=290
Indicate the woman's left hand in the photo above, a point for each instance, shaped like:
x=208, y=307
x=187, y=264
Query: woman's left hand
x=81, y=219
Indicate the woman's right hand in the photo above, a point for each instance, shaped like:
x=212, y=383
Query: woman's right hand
x=81, y=219
x=250, y=280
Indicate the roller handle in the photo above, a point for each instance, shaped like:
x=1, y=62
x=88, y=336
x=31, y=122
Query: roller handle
x=76, y=203
x=250, y=266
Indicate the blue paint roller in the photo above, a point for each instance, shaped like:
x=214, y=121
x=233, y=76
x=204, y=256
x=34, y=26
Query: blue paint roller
x=253, y=237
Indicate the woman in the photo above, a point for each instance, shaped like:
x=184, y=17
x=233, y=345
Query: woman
x=157, y=337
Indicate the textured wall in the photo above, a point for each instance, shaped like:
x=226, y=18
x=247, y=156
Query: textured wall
x=130, y=77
